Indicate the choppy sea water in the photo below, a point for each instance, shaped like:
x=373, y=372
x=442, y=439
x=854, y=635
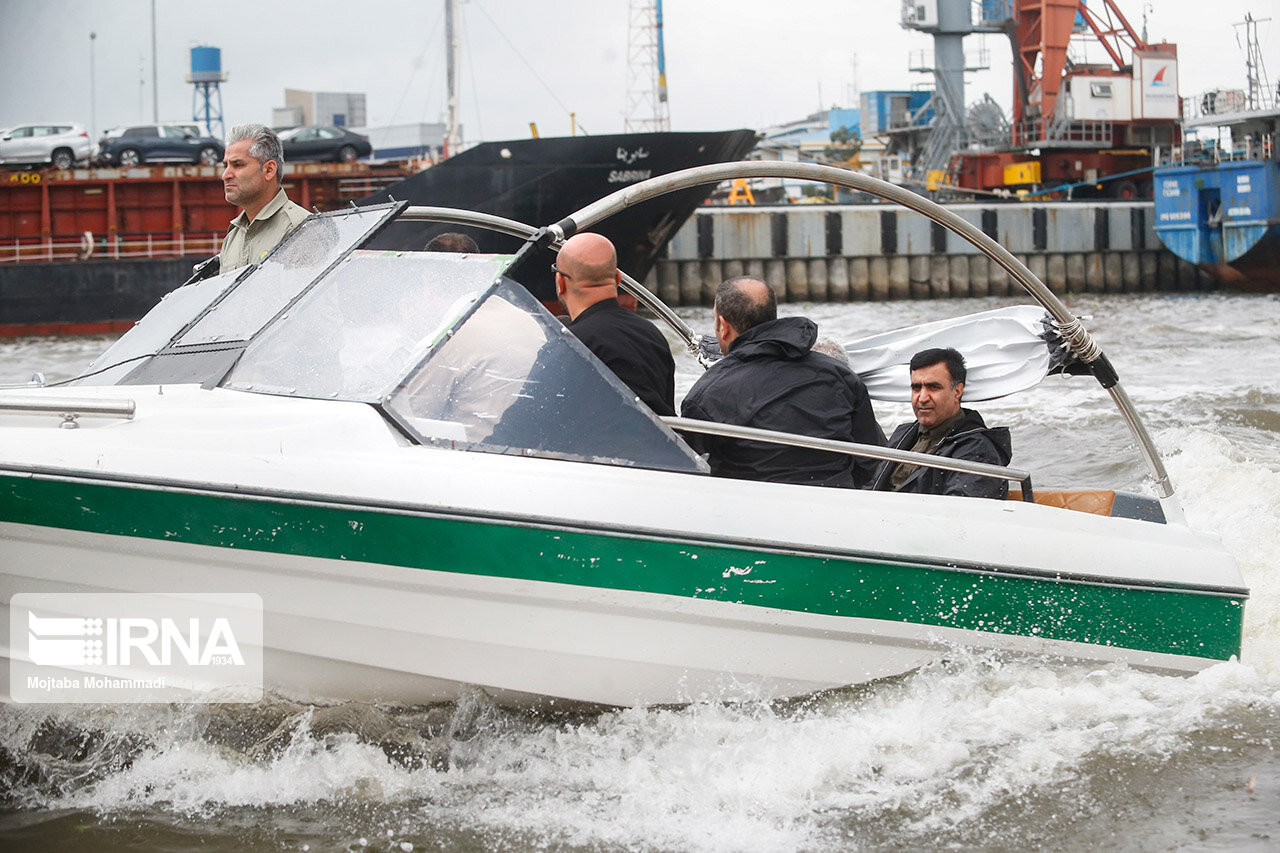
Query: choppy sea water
x=972, y=753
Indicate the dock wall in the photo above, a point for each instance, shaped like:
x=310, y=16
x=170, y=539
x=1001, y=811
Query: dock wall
x=850, y=253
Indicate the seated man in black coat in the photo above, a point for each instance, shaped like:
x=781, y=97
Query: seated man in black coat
x=587, y=281
x=943, y=428
x=772, y=378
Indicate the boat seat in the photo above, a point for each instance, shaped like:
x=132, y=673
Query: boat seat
x=1096, y=501
x=1100, y=502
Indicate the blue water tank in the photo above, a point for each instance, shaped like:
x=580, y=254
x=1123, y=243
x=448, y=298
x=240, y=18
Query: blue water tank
x=206, y=60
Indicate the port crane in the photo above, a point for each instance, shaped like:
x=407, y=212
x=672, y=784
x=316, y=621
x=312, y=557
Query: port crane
x=1080, y=127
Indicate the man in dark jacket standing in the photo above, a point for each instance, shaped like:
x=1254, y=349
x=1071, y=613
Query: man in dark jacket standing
x=771, y=378
x=943, y=428
x=587, y=281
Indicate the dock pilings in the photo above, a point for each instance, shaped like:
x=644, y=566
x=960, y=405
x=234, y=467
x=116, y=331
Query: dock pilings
x=857, y=253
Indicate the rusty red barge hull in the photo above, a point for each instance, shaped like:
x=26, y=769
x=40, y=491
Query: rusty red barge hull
x=88, y=251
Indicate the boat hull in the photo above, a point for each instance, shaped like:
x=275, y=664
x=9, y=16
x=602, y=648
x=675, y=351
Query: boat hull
x=536, y=590
x=343, y=630
x=1224, y=217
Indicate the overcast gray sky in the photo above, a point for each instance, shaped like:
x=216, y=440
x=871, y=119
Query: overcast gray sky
x=745, y=63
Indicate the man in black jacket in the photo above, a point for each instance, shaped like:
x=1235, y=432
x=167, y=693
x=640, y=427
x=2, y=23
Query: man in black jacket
x=943, y=428
x=587, y=281
x=771, y=378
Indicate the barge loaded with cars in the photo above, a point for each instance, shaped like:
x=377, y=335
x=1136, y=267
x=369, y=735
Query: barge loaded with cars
x=60, y=145
x=87, y=250
x=158, y=143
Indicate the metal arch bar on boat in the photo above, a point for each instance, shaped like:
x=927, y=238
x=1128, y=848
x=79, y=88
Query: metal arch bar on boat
x=1080, y=341
x=851, y=448
x=68, y=406
x=503, y=225
x=1076, y=337
x=456, y=216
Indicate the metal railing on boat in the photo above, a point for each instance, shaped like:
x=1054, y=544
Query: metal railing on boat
x=849, y=448
x=70, y=409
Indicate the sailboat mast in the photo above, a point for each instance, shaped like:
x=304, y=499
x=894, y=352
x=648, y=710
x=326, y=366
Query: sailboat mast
x=453, y=138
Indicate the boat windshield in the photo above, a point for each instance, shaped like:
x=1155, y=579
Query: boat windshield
x=154, y=331
x=198, y=331
x=510, y=378
x=365, y=325
x=458, y=356
x=442, y=344
x=285, y=273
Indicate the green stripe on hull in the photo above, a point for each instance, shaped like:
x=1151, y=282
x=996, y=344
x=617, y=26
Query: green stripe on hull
x=1153, y=620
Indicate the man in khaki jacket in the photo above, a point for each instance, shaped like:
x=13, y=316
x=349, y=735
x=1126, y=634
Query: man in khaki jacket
x=254, y=161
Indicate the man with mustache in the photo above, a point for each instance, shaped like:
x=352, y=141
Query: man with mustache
x=253, y=167
x=943, y=428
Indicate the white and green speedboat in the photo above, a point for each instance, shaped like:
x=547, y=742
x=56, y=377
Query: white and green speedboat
x=431, y=485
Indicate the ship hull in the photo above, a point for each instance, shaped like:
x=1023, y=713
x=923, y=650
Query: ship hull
x=1224, y=217
x=84, y=297
x=537, y=181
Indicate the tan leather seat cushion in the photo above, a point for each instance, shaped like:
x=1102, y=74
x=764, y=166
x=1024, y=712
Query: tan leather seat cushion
x=1097, y=501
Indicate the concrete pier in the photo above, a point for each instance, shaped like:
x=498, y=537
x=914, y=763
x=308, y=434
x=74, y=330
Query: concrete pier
x=854, y=253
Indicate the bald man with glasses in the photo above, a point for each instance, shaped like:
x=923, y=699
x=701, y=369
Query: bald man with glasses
x=587, y=280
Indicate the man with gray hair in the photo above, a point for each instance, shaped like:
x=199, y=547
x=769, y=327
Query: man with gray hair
x=253, y=168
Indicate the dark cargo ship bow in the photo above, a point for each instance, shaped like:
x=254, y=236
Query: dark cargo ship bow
x=540, y=181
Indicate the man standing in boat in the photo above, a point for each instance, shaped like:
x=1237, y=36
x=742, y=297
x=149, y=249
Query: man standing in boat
x=254, y=166
x=587, y=280
x=942, y=427
x=772, y=378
